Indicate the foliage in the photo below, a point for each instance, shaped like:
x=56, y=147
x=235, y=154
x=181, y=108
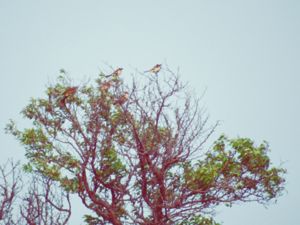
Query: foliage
x=199, y=220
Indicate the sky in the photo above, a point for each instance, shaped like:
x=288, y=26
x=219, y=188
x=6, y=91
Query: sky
x=245, y=54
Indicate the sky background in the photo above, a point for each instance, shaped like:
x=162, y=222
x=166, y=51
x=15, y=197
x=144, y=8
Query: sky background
x=244, y=53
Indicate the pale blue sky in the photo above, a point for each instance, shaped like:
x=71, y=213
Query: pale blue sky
x=246, y=53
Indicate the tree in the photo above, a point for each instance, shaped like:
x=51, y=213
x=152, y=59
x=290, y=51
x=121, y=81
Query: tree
x=45, y=203
x=38, y=200
x=9, y=188
x=135, y=154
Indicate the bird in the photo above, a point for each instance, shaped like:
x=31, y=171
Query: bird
x=122, y=99
x=105, y=86
x=70, y=91
x=155, y=69
x=117, y=72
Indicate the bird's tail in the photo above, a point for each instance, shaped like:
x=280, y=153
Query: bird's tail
x=62, y=102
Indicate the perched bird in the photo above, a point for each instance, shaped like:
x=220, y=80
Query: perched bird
x=122, y=99
x=105, y=86
x=155, y=69
x=70, y=91
x=117, y=72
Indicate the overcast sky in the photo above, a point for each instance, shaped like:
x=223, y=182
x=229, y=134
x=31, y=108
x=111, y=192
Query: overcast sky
x=245, y=53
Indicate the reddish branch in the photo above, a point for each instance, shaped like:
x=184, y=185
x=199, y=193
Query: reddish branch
x=45, y=204
x=10, y=186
